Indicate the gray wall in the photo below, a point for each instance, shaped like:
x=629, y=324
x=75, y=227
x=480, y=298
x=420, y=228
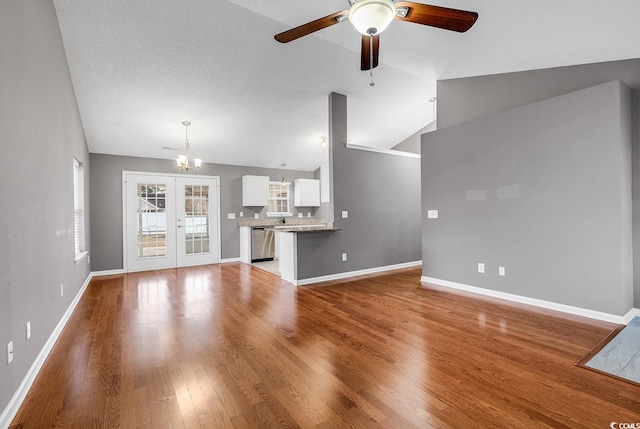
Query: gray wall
x=635, y=163
x=382, y=195
x=40, y=132
x=106, y=202
x=412, y=143
x=564, y=233
x=461, y=100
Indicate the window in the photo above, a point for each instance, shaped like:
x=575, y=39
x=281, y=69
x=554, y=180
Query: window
x=78, y=209
x=279, y=196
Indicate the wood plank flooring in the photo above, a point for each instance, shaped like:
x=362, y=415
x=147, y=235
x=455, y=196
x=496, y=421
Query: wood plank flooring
x=232, y=346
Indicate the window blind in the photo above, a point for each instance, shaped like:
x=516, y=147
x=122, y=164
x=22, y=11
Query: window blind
x=78, y=206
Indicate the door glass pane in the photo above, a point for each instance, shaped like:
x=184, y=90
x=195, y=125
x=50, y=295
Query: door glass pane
x=196, y=203
x=151, y=221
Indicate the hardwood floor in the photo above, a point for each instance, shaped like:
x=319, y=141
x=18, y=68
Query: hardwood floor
x=231, y=346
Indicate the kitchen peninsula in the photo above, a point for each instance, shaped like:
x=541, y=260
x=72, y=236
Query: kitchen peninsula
x=285, y=241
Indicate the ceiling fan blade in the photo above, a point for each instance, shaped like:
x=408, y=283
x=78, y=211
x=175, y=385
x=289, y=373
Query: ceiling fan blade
x=311, y=27
x=437, y=16
x=366, y=53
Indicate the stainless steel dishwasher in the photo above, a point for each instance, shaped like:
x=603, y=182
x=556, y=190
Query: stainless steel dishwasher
x=262, y=244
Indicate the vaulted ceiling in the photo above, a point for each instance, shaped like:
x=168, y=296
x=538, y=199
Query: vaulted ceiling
x=141, y=67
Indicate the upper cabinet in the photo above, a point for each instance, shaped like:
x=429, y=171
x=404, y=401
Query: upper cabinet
x=255, y=191
x=325, y=190
x=306, y=193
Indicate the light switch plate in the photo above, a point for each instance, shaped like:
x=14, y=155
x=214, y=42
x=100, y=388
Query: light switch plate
x=432, y=214
x=345, y=214
x=480, y=267
x=28, y=330
x=231, y=215
x=501, y=271
x=9, y=352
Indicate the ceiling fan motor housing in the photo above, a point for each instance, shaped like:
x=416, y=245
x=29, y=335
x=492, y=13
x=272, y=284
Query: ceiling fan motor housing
x=372, y=17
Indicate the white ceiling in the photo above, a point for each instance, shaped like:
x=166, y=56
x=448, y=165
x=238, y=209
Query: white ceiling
x=141, y=67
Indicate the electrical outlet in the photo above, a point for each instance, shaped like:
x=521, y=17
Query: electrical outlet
x=88, y=259
x=345, y=214
x=61, y=290
x=28, y=330
x=432, y=214
x=501, y=271
x=308, y=214
x=231, y=215
x=9, y=352
x=480, y=267
x=256, y=216
x=300, y=214
x=241, y=214
x=344, y=257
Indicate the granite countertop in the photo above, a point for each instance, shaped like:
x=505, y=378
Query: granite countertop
x=323, y=228
x=276, y=222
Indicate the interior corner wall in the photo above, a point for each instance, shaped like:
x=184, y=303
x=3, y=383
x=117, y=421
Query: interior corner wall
x=106, y=202
x=541, y=190
x=41, y=133
x=381, y=194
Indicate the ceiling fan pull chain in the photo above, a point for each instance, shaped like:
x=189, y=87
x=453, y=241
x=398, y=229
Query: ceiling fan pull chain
x=371, y=59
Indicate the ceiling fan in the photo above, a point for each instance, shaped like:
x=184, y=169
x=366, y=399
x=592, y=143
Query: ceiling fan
x=371, y=17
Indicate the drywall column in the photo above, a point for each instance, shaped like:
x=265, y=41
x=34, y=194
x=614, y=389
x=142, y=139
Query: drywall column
x=381, y=194
x=337, y=136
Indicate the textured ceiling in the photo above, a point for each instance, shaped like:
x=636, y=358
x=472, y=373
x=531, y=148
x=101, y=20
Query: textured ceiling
x=141, y=67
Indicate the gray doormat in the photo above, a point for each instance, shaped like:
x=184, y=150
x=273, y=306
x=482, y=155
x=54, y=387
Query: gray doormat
x=620, y=356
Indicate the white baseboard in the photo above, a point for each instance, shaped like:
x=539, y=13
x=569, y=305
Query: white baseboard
x=634, y=312
x=14, y=404
x=228, y=260
x=106, y=273
x=348, y=274
x=592, y=314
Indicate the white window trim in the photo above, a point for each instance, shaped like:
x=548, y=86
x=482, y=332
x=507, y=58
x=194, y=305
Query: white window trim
x=79, y=212
x=283, y=214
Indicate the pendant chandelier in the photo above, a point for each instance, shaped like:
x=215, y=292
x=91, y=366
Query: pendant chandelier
x=184, y=164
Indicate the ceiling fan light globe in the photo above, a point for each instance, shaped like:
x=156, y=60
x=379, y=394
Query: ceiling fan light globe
x=371, y=17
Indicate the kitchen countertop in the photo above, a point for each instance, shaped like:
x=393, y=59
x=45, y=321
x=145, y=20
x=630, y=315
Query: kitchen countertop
x=276, y=222
x=323, y=228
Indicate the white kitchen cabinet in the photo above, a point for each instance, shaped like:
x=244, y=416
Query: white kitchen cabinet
x=306, y=193
x=325, y=191
x=255, y=191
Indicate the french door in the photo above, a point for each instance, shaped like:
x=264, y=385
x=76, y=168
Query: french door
x=170, y=221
